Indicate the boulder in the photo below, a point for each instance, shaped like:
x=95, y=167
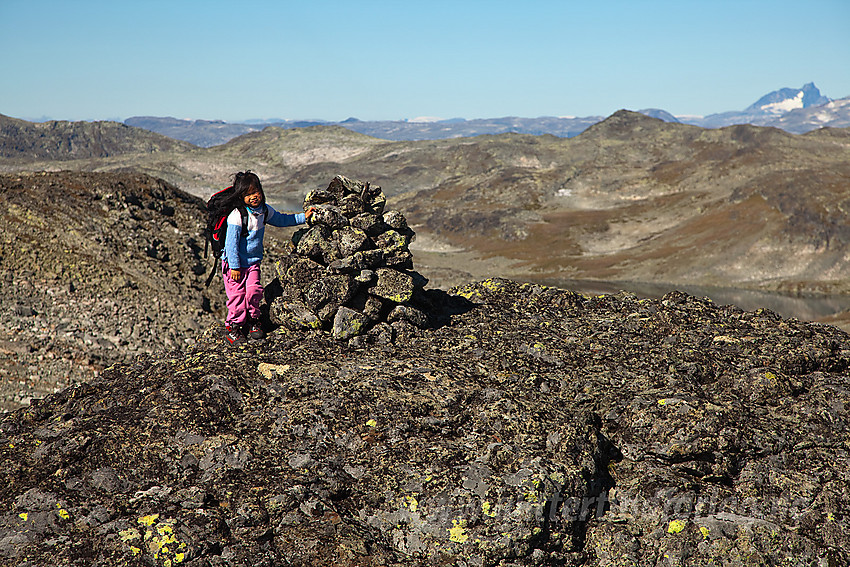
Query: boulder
x=393, y=285
x=349, y=240
x=348, y=323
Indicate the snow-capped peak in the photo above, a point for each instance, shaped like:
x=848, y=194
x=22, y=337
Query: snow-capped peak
x=783, y=106
x=786, y=100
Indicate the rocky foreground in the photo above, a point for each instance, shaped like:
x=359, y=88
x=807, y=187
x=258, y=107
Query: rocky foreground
x=524, y=425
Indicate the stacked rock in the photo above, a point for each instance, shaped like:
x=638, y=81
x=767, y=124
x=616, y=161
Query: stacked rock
x=351, y=271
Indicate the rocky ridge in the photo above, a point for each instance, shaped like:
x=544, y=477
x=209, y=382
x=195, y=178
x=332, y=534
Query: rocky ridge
x=63, y=140
x=97, y=268
x=526, y=426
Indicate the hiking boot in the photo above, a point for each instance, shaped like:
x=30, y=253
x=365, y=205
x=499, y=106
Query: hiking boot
x=233, y=335
x=255, y=331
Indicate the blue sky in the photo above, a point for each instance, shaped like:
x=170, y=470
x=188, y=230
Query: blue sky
x=392, y=60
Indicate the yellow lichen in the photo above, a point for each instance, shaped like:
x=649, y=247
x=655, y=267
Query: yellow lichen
x=148, y=520
x=676, y=526
x=372, y=423
x=487, y=510
x=411, y=503
x=704, y=531
x=63, y=513
x=160, y=538
x=457, y=533
x=23, y=516
x=533, y=495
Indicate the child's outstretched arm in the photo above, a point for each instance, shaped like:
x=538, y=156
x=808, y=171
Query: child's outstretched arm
x=276, y=218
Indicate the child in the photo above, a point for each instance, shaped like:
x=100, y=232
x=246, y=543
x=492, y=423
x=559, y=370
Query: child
x=240, y=262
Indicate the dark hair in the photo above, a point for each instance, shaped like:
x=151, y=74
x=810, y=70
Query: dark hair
x=245, y=183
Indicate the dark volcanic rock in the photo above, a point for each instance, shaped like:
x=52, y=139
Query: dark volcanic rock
x=528, y=426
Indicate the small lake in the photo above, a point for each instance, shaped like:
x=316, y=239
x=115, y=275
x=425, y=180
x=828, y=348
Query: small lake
x=803, y=307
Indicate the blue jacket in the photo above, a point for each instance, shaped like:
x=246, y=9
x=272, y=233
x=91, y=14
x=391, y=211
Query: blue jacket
x=243, y=252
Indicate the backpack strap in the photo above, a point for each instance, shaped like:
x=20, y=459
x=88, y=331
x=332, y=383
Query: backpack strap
x=244, y=214
x=212, y=274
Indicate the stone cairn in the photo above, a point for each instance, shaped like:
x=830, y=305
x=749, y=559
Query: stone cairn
x=351, y=271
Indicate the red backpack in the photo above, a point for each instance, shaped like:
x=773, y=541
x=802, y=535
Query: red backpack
x=219, y=208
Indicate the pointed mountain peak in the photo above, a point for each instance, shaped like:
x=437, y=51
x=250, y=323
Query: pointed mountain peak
x=786, y=99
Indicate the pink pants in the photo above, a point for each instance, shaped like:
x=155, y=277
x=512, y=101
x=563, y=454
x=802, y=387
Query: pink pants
x=244, y=295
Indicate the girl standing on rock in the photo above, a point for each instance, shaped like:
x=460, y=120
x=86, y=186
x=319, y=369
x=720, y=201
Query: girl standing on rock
x=243, y=251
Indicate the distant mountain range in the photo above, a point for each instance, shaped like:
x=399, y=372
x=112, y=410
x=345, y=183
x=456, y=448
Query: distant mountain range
x=793, y=110
x=770, y=109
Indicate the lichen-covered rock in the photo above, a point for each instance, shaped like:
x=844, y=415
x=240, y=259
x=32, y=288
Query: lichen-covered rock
x=369, y=259
x=396, y=221
x=393, y=285
x=293, y=315
x=315, y=243
x=530, y=426
x=372, y=307
x=348, y=323
x=369, y=223
x=350, y=240
x=390, y=241
x=330, y=289
x=329, y=216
